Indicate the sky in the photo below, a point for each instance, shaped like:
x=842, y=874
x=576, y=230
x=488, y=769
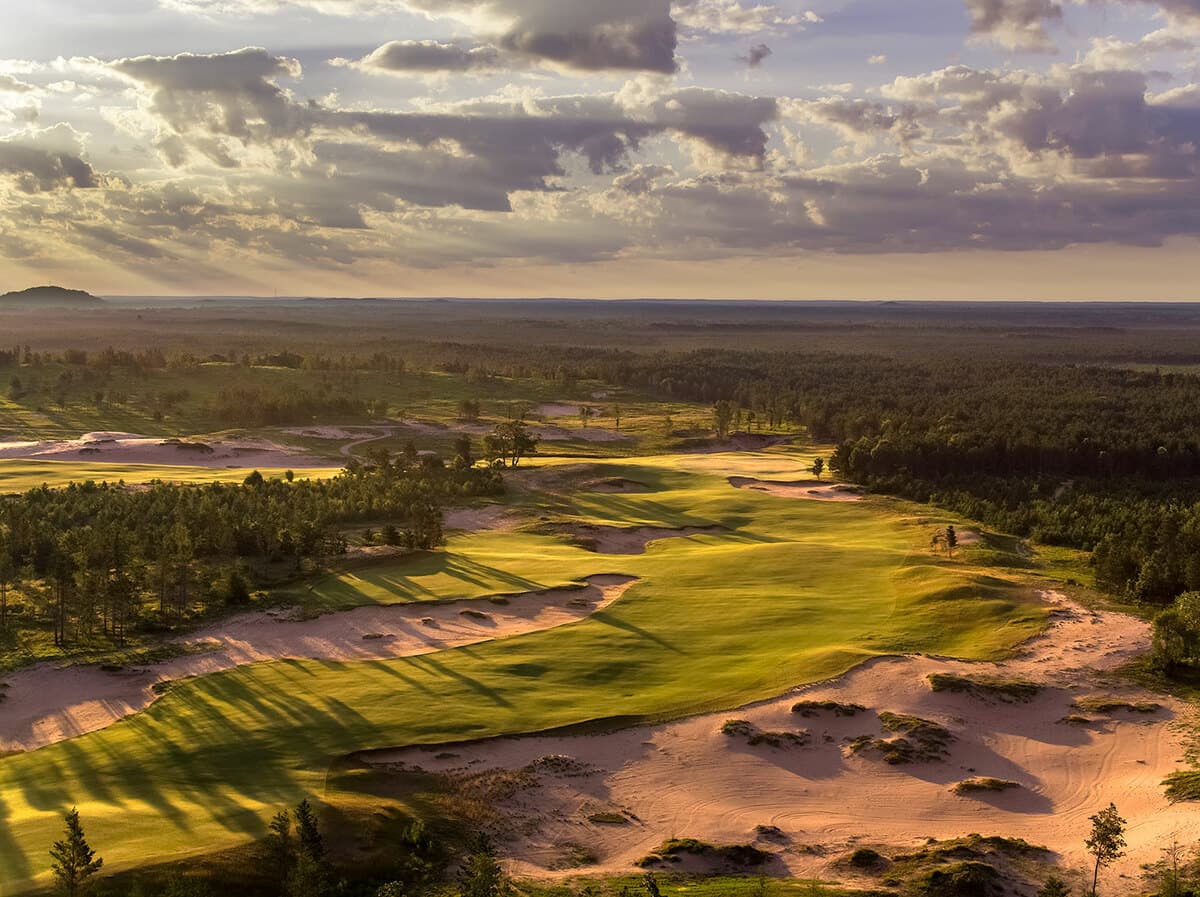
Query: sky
x=857, y=149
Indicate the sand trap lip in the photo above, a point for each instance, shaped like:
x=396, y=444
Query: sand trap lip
x=625, y=540
x=687, y=779
x=131, y=448
x=46, y=704
x=812, y=490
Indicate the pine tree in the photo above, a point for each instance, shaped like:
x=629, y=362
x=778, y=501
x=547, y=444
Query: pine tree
x=1054, y=887
x=73, y=860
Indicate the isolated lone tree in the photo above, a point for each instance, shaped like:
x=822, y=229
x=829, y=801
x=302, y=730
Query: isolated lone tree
x=951, y=540
x=73, y=861
x=1107, y=841
x=818, y=467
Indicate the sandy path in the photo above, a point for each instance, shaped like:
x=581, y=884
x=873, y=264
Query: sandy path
x=686, y=779
x=45, y=704
x=813, y=490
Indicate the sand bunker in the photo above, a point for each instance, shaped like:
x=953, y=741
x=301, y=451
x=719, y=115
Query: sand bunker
x=689, y=779
x=625, y=540
x=489, y=518
x=813, y=490
x=130, y=448
x=45, y=704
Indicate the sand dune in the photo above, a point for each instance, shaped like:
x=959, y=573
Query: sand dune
x=688, y=779
x=46, y=704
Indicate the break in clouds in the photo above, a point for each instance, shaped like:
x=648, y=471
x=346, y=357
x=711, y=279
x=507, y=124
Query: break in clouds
x=508, y=131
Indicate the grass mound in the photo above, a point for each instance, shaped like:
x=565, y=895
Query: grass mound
x=1183, y=785
x=740, y=728
x=674, y=849
x=916, y=740
x=809, y=709
x=980, y=784
x=1006, y=690
x=1112, y=705
x=608, y=818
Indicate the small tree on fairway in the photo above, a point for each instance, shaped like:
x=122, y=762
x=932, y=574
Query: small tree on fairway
x=1107, y=841
x=818, y=467
x=586, y=413
x=73, y=860
x=1054, y=887
x=951, y=540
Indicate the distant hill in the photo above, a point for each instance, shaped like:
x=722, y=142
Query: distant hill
x=49, y=296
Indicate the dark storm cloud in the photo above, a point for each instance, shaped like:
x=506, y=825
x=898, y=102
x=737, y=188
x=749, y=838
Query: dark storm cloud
x=756, y=55
x=39, y=162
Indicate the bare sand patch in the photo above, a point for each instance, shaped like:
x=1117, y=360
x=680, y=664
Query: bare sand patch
x=46, y=704
x=624, y=540
x=489, y=518
x=812, y=490
x=130, y=448
x=689, y=779
x=558, y=409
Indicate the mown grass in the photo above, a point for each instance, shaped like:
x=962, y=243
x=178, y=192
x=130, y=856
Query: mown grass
x=23, y=475
x=795, y=592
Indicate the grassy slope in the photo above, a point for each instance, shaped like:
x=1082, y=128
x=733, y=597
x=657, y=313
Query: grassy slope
x=21, y=475
x=802, y=591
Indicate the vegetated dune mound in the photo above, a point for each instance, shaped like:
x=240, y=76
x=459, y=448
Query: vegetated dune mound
x=49, y=297
x=813, y=490
x=132, y=448
x=826, y=766
x=623, y=540
x=47, y=704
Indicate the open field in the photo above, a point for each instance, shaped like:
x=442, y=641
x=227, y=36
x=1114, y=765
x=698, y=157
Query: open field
x=19, y=476
x=795, y=591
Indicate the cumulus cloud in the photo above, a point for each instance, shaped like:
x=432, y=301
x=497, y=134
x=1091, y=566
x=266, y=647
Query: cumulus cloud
x=50, y=159
x=429, y=57
x=1015, y=24
x=731, y=17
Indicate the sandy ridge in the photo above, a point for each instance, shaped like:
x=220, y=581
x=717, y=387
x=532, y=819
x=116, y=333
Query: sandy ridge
x=687, y=779
x=46, y=704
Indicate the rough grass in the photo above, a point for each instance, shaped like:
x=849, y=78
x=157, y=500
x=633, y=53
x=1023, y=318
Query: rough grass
x=1111, y=705
x=981, y=784
x=1183, y=785
x=821, y=586
x=1007, y=690
x=810, y=709
x=916, y=740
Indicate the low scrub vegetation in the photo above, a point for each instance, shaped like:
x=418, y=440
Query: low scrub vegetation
x=983, y=784
x=1008, y=690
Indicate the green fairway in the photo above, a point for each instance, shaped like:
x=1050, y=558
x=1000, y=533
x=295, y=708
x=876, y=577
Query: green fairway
x=22, y=475
x=794, y=592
